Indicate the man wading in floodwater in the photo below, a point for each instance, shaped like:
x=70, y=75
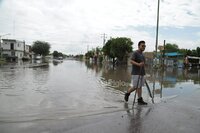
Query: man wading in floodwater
x=138, y=72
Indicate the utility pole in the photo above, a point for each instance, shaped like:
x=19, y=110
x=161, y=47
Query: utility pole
x=157, y=27
x=14, y=28
x=163, y=54
x=87, y=48
x=1, y=49
x=163, y=65
x=104, y=36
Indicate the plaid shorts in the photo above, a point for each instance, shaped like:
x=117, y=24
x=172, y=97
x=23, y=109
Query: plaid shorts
x=137, y=81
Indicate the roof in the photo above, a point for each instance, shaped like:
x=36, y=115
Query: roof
x=11, y=40
x=170, y=54
x=173, y=54
x=193, y=57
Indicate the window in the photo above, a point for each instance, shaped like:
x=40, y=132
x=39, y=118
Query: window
x=12, y=46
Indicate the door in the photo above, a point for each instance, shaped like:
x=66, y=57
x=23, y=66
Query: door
x=12, y=46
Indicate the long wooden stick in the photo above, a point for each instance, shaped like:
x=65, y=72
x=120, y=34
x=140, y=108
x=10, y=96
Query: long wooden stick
x=148, y=88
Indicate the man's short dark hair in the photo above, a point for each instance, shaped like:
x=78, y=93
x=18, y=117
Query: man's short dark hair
x=140, y=42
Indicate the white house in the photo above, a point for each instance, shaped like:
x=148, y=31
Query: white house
x=27, y=51
x=13, y=48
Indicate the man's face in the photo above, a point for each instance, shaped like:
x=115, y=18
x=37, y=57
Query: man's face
x=142, y=46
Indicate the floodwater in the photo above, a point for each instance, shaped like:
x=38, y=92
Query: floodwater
x=74, y=88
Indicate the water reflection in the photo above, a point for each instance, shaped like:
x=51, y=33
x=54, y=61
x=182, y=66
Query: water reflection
x=135, y=118
x=56, y=62
x=168, y=82
x=74, y=86
x=93, y=66
x=171, y=76
x=168, y=77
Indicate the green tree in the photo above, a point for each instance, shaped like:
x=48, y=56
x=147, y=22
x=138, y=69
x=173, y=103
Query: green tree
x=55, y=54
x=198, y=51
x=171, y=47
x=183, y=51
x=98, y=51
x=41, y=48
x=193, y=52
x=189, y=52
x=60, y=54
x=107, y=48
x=89, y=54
x=79, y=57
x=118, y=47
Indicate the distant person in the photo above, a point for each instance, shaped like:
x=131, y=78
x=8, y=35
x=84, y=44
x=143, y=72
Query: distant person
x=186, y=61
x=138, y=72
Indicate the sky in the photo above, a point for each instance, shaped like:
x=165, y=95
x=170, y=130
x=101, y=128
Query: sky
x=75, y=26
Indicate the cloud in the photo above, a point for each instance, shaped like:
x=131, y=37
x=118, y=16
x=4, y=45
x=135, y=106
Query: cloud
x=180, y=13
x=67, y=24
x=198, y=34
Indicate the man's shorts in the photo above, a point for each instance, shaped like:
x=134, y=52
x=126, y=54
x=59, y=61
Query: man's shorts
x=137, y=81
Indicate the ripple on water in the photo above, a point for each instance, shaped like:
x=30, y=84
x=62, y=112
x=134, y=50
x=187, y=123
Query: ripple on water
x=12, y=95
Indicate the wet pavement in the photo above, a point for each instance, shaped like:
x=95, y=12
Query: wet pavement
x=175, y=116
x=79, y=97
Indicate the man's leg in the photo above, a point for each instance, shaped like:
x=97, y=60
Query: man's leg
x=135, y=83
x=140, y=99
x=130, y=89
x=139, y=92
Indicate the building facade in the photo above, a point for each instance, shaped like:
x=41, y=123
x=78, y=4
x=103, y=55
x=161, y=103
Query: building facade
x=27, y=52
x=14, y=49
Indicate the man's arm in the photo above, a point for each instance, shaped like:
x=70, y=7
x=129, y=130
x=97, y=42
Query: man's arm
x=133, y=62
x=137, y=64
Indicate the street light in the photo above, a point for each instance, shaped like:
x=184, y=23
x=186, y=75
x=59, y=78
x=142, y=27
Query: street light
x=1, y=49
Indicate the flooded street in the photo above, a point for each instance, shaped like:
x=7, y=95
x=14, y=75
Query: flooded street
x=74, y=89
x=71, y=87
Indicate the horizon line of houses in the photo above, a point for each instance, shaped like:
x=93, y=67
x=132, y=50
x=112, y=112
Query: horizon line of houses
x=13, y=50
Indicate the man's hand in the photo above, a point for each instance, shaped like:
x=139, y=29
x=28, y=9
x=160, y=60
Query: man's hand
x=141, y=64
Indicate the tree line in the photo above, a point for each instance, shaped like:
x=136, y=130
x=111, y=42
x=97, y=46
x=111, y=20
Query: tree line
x=43, y=48
x=116, y=49
x=174, y=48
